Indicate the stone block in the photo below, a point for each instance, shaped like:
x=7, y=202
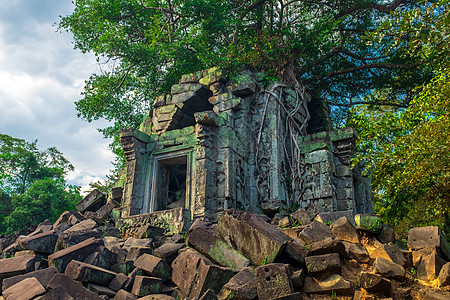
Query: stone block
x=44, y=242
x=330, y=217
x=328, y=245
x=443, y=278
x=168, y=251
x=124, y=295
x=208, y=295
x=101, y=290
x=82, y=226
x=296, y=251
x=300, y=217
x=386, y=234
x=85, y=273
x=159, y=297
x=93, y=201
x=24, y=290
x=148, y=231
x=357, y=252
x=273, y=280
x=429, y=266
x=428, y=294
x=16, y=266
x=375, y=283
x=68, y=217
x=103, y=212
x=68, y=239
x=323, y=264
x=297, y=279
x=43, y=276
x=57, y=293
x=118, y=282
x=270, y=207
x=425, y=237
x=334, y=283
x=257, y=240
x=315, y=232
x=136, y=251
x=80, y=251
x=144, y=286
x=388, y=251
x=124, y=267
x=241, y=286
x=75, y=290
x=388, y=268
x=154, y=266
x=344, y=230
x=194, y=274
x=207, y=242
x=369, y=222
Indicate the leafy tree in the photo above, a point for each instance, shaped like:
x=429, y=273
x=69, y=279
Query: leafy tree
x=32, y=185
x=148, y=44
x=407, y=149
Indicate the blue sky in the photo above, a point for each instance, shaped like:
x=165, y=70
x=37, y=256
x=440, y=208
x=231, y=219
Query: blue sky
x=41, y=76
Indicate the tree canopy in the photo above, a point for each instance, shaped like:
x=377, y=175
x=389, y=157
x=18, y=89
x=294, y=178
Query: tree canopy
x=32, y=185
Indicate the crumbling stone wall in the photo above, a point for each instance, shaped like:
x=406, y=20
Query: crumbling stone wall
x=230, y=137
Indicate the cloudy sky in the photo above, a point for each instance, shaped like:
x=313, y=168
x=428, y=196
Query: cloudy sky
x=40, y=78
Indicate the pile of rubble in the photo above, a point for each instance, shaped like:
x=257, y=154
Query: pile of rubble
x=244, y=256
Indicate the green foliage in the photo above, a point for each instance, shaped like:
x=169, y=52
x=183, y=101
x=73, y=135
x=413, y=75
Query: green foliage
x=32, y=185
x=406, y=150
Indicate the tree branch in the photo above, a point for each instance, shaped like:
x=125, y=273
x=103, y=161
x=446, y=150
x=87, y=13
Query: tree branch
x=379, y=7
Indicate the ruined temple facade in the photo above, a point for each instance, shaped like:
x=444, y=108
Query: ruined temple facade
x=218, y=142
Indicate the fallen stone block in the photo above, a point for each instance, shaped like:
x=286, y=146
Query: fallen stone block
x=68, y=217
x=297, y=278
x=75, y=290
x=85, y=273
x=315, y=232
x=43, y=276
x=386, y=234
x=44, y=242
x=375, y=283
x=357, y=252
x=135, y=252
x=83, y=226
x=118, y=282
x=300, y=217
x=58, y=293
x=296, y=251
x=417, y=255
x=323, y=265
x=194, y=274
x=208, y=295
x=273, y=280
x=427, y=294
x=168, y=251
x=103, y=212
x=78, y=252
x=388, y=251
x=426, y=237
x=159, y=297
x=154, y=266
x=207, y=242
x=144, y=286
x=241, y=286
x=16, y=266
x=124, y=295
x=334, y=283
x=101, y=290
x=67, y=239
x=257, y=240
x=148, y=231
x=444, y=275
x=342, y=229
x=124, y=267
x=270, y=207
x=92, y=202
x=24, y=290
x=134, y=242
x=388, y=268
x=429, y=267
x=330, y=217
x=328, y=245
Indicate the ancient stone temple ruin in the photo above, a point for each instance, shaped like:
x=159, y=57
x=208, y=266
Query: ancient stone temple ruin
x=218, y=142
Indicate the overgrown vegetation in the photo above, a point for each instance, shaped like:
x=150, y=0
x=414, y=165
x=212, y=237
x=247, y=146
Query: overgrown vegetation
x=32, y=184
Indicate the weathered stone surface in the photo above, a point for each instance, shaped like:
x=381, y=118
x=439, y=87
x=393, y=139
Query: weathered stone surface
x=67, y=239
x=285, y=222
x=57, y=293
x=357, y=252
x=209, y=295
x=270, y=207
x=388, y=269
x=315, y=232
x=101, y=290
x=103, y=212
x=124, y=295
x=24, y=290
x=388, y=251
x=118, y=282
x=344, y=230
x=273, y=280
x=207, y=242
x=386, y=234
x=375, y=283
x=327, y=263
x=43, y=276
x=369, y=222
x=328, y=245
x=168, y=251
x=296, y=251
x=78, y=252
x=82, y=226
x=75, y=290
x=194, y=274
x=124, y=267
x=148, y=231
x=330, y=217
x=300, y=217
x=85, y=273
x=134, y=242
x=429, y=266
x=44, y=242
x=241, y=286
x=425, y=294
x=444, y=275
x=417, y=255
x=92, y=202
x=136, y=251
x=297, y=279
x=144, y=286
x=68, y=217
x=16, y=266
x=425, y=237
x=154, y=266
x=158, y=297
x=250, y=235
x=334, y=283
x=102, y=259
